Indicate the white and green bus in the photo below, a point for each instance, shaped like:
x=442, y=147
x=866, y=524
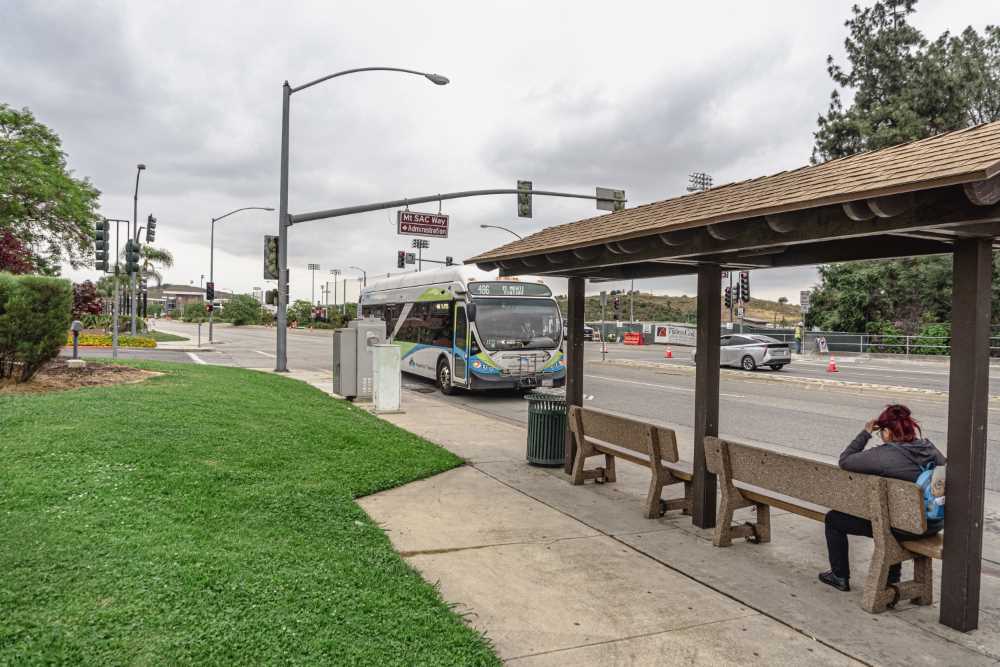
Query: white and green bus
x=467, y=329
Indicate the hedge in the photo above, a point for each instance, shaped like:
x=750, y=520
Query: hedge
x=35, y=312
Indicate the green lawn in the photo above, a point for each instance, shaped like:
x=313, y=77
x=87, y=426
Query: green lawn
x=207, y=516
x=164, y=337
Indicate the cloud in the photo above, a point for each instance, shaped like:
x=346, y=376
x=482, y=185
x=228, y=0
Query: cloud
x=569, y=96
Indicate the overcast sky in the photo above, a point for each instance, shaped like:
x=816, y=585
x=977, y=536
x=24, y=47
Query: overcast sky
x=570, y=95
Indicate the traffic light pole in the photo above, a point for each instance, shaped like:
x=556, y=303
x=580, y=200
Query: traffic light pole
x=281, y=323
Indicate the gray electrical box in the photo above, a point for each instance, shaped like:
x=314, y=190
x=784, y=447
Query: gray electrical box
x=353, y=364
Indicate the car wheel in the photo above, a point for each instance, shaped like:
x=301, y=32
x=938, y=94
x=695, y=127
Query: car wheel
x=748, y=364
x=444, y=378
x=777, y=367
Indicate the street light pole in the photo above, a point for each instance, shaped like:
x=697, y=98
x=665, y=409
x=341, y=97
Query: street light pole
x=281, y=343
x=139, y=168
x=503, y=228
x=211, y=256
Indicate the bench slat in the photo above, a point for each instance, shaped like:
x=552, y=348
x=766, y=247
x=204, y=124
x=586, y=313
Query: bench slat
x=626, y=432
x=808, y=510
x=932, y=547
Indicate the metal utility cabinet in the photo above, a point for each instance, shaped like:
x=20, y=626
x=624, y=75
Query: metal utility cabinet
x=352, y=357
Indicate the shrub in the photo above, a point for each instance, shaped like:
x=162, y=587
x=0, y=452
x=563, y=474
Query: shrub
x=35, y=313
x=194, y=312
x=86, y=301
x=241, y=309
x=300, y=311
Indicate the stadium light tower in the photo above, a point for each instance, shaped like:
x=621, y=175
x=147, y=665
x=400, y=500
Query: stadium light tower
x=699, y=181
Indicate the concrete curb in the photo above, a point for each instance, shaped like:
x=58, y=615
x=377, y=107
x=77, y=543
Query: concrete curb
x=816, y=382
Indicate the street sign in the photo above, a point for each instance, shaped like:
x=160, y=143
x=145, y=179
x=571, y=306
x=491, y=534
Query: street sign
x=609, y=199
x=804, y=301
x=604, y=299
x=411, y=223
x=270, y=258
x=740, y=311
x=411, y=258
x=524, y=199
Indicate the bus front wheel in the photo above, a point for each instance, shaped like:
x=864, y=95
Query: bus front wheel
x=444, y=378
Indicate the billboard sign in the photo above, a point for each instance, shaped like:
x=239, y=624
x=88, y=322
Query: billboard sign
x=412, y=223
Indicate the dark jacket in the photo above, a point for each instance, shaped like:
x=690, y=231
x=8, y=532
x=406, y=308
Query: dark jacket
x=901, y=460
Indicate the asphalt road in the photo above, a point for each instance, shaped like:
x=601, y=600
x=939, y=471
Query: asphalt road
x=757, y=406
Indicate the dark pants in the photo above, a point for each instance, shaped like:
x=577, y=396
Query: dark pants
x=840, y=525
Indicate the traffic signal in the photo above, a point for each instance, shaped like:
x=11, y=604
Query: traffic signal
x=270, y=258
x=448, y=261
x=401, y=259
x=150, y=228
x=131, y=257
x=729, y=297
x=524, y=199
x=210, y=291
x=745, y=286
x=271, y=297
x=209, y=307
x=102, y=238
x=143, y=285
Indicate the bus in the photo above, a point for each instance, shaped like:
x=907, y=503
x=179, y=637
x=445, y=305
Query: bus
x=467, y=329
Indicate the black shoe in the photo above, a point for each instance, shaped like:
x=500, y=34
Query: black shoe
x=830, y=579
x=894, y=578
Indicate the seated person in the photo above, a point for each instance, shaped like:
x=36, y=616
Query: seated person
x=900, y=454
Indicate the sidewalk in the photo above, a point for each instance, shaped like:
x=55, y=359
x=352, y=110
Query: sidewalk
x=555, y=574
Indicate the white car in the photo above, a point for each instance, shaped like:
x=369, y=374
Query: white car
x=748, y=351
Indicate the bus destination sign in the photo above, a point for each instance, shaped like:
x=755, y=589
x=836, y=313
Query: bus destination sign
x=483, y=288
x=411, y=223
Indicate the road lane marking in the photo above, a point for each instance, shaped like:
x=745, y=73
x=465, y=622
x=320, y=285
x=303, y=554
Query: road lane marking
x=196, y=359
x=266, y=354
x=655, y=386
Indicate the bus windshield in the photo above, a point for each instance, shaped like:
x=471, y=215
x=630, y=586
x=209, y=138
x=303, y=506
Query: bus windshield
x=518, y=324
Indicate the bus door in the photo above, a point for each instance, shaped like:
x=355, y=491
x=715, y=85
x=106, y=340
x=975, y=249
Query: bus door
x=460, y=351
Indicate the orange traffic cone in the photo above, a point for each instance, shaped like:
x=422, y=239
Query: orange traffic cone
x=668, y=354
x=832, y=366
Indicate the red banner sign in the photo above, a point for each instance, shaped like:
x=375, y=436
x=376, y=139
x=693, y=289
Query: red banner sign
x=411, y=223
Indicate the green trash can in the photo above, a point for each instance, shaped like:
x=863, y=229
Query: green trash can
x=546, y=429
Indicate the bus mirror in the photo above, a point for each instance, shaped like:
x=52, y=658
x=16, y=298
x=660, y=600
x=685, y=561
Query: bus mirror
x=470, y=311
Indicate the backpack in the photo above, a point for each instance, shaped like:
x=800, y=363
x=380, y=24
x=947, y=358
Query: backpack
x=933, y=505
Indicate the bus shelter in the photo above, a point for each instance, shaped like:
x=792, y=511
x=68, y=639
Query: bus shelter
x=933, y=196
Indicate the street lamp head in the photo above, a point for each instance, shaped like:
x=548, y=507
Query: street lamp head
x=140, y=166
x=437, y=79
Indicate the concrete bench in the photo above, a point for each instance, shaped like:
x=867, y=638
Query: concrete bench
x=752, y=476
x=654, y=446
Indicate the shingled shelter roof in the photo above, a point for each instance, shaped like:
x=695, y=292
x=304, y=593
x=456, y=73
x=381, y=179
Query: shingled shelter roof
x=949, y=159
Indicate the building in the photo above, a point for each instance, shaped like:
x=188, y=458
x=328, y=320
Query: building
x=175, y=297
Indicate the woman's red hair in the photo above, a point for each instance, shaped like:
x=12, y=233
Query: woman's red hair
x=897, y=419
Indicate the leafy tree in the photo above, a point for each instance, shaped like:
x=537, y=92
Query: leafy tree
x=41, y=203
x=904, y=88
x=86, y=300
x=14, y=255
x=242, y=309
x=153, y=259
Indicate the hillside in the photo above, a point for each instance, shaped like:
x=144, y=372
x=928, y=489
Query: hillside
x=653, y=308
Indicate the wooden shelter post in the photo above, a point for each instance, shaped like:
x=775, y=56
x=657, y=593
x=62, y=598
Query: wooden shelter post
x=706, y=391
x=575, y=304
x=967, y=418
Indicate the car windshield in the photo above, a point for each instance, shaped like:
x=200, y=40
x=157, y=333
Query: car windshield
x=518, y=324
x=764, y=339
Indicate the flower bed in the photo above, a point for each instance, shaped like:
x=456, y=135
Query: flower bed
x=88, y=339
